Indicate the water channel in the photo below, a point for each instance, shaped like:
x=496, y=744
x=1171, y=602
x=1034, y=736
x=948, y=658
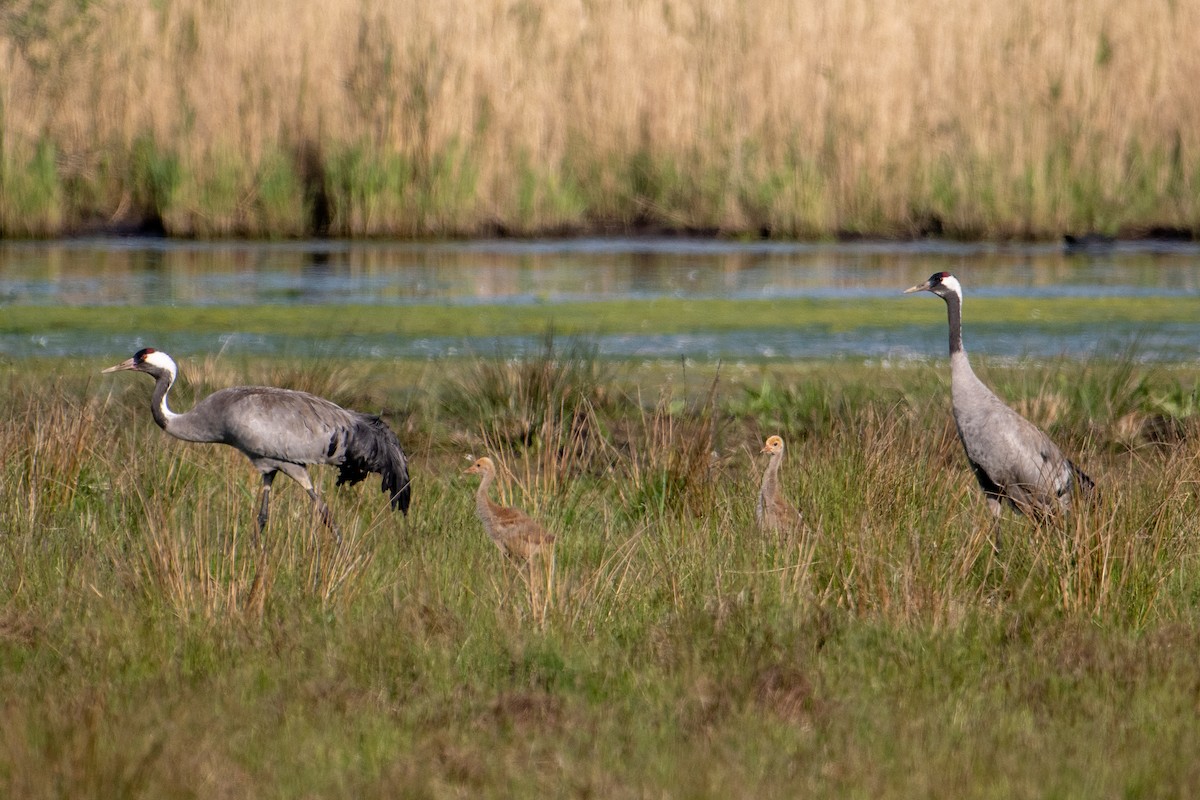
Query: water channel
x=120, y=273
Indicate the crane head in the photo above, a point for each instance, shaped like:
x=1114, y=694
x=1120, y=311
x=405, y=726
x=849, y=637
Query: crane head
x=146, y=360
x=773, y=445
x=483, y=466
x=939, y=283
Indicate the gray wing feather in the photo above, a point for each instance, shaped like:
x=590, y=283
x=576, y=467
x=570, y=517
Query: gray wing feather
x=276, y=427
x=281, y=424
x=1019, y=461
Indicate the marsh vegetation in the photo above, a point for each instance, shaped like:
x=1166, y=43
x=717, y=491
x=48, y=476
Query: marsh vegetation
x=987, y=118
x=667, y=648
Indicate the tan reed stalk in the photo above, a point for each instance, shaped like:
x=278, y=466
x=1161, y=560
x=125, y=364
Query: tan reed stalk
x=409, y=118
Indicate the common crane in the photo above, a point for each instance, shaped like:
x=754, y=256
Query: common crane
x=1013, y=461
x=517, y=536
x=282, y=430
x=774, y=513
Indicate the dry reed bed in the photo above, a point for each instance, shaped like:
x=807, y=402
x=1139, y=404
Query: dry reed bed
x=412, y=118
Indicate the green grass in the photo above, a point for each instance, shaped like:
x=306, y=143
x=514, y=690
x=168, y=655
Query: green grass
x=31, y=199
x=670, y=650
x=666, y=315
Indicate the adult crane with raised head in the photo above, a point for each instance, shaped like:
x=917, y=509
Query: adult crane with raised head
x=1014, y=461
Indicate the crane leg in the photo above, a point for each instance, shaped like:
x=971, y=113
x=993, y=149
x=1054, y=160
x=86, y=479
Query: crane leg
x=300, y=475
x=268, y=479
x=997, y=508
x=325, y=514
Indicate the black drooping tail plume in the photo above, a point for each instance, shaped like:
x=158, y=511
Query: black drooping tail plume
x=371, y=446
x=1087, y=486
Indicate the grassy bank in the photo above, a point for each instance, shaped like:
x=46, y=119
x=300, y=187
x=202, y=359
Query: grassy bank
x=981, y=118
x=671, y=650
x=664, y=315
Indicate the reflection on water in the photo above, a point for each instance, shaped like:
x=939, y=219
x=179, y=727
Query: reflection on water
x=139, y=271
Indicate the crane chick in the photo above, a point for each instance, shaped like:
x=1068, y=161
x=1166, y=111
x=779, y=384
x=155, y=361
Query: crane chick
x=1013, y=461
x=282, y=430
x=517, y=536
x=774, y=513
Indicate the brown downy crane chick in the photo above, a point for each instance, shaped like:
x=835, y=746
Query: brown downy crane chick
x=517, y=536
x=773, y=512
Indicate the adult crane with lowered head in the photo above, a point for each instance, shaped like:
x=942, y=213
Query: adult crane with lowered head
x=282, y=430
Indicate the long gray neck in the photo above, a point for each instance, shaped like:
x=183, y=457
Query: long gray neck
x=158, y=401
x=965, y=386
x=189, y=426
x=954, y=315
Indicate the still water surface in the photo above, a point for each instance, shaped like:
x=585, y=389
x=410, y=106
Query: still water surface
x=123, y=272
